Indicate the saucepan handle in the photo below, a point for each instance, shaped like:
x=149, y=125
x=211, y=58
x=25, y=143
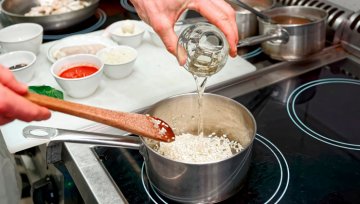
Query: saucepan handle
x=100, y=139
x=274, y=34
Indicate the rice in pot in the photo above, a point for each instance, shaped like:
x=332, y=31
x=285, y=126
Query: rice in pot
x=191, y=148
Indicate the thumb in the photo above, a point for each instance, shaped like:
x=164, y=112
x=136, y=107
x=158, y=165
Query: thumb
x=170, y=40
x=7, y=79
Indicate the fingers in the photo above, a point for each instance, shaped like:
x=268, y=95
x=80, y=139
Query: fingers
x=232, y=36
x=168, y=36
x=14, y=106
x=161, y=15
x=7, y=79
x=219, y=13
x=4, y=120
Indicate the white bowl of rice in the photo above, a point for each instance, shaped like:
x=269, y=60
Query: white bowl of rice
x=118, y=61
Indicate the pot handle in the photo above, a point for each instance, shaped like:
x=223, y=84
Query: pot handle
x=273, y=34
x=100, y=139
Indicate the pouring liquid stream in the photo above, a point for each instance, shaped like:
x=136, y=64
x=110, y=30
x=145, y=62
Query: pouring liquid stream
x=205, y=50
x=200, y=84
x=202, y=65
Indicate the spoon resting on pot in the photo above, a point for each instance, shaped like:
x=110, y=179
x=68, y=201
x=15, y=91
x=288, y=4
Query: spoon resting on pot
x=139, y=124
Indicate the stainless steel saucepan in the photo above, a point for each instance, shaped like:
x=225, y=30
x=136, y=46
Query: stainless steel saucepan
x=247, y=23
x=294, y=32
x=179, y=181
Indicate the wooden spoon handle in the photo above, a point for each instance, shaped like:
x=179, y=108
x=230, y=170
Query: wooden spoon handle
x=108, y=117
x=139, y=124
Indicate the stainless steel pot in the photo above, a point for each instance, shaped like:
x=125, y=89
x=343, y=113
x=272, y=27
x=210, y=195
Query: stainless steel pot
x=291, y=42
x=179, y=181
x=13, y=12
x=247, y=23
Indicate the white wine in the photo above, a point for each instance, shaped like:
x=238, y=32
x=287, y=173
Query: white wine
x=200, y=84
x=206, y=51
x=205, y=48
x=204, y=65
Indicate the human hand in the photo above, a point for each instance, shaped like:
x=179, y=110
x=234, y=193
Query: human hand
x=162, y=15
x=13, y=105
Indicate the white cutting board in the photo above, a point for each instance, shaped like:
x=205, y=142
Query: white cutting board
x=156, y=76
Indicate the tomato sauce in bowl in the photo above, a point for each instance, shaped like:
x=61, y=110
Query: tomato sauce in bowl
x=78, y=71
x=78, y=75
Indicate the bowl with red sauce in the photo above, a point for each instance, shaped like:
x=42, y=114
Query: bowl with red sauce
x=78, y=75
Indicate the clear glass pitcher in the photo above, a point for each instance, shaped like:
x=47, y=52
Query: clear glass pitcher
x=205, y=49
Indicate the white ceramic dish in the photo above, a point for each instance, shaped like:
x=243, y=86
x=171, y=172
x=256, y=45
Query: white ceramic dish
x=127, y=32
x=21, y=36
x=78, y=87
x=78, y=40
x=118, y=61
x=23, y=74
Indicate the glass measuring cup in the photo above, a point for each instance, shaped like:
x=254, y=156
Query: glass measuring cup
x=205, y=49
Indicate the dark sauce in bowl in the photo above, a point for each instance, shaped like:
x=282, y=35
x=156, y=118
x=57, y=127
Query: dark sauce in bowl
x=17, y=66
x=290, y=20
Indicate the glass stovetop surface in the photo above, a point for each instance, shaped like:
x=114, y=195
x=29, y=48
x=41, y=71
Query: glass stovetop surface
x=306, y=149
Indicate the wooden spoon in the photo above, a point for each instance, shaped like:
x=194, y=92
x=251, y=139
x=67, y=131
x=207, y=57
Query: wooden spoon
x=139, y=124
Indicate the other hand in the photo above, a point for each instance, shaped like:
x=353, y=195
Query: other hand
x=13, y=105
x=162, y=15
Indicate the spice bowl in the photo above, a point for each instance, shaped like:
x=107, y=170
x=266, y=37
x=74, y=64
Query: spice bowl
x=127, y=32
x=78, y=75
x=20, y=63
x=118, y=61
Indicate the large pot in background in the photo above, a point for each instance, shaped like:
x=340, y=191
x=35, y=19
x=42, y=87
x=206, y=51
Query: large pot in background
x=13, y=12
x=295, y=39
x=184, y=182
x=247, y=23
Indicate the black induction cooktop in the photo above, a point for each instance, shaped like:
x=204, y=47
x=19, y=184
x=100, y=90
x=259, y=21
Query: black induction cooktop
x=306, y=148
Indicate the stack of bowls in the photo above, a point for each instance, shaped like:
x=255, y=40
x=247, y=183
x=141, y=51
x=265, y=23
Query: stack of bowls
x=20, y=43
x=22, y=36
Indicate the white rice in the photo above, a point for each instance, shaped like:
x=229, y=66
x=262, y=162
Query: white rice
x=117, y=56
x=190, y=148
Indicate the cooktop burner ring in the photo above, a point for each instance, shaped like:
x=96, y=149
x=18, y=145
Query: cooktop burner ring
x=126, y=5
x=101, y=20
x=279, y=192
x=290, y=106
